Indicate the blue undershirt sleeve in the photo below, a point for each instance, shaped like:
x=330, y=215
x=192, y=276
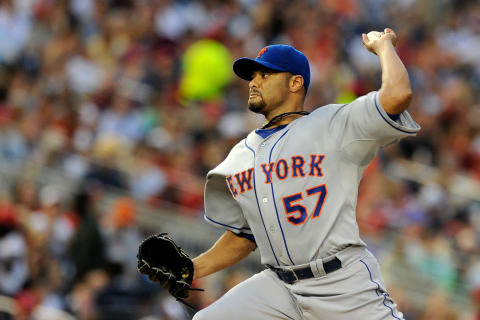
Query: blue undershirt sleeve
x=394, y=117
x=247, y=236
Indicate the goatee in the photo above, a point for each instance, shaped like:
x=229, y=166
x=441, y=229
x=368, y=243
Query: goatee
x=257, y=107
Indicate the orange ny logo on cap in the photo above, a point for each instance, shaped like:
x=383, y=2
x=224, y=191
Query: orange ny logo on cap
x=261, y=52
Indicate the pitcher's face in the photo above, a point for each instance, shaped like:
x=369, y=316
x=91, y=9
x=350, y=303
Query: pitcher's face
x=268, y=89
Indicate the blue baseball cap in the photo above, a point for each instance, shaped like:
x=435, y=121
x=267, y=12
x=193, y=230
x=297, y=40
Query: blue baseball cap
x=278, y=57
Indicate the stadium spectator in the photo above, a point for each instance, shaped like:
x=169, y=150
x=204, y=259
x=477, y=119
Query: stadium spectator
x=110, y=94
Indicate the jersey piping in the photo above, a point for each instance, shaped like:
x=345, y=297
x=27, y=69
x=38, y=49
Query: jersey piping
x=225, y=225
x=275, y=203
x=386, y=120
x=258, y=204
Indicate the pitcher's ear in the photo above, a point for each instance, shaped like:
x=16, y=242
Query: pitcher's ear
x=296, y=83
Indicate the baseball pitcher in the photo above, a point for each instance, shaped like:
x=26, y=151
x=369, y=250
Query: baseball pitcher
x=290, y=188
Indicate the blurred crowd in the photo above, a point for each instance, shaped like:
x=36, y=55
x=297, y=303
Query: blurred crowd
x=138, y=98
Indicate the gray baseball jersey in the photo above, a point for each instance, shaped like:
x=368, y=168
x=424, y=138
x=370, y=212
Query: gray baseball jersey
x=296, y=190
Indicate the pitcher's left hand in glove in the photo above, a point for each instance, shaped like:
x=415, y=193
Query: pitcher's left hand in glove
x=164, y=262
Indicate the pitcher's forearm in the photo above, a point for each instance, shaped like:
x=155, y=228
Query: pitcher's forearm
x=396, y=92
x=227, y=251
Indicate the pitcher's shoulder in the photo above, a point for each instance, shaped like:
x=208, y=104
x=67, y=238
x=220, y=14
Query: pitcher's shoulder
x=325, y=112
x=231, y=160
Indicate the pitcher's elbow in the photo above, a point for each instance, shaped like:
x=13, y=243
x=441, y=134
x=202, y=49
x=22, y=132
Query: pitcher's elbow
x=402, y=101
x=407, y=96
x=395, y=101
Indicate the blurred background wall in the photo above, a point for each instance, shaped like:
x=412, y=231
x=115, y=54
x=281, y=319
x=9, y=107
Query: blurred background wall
x=113, y=111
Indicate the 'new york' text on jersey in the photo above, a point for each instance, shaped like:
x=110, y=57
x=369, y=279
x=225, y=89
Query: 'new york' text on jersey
x=296, y=190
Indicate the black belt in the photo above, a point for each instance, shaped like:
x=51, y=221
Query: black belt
x=290, y=276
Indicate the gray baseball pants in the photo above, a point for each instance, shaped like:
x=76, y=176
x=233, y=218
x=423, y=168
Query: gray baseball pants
x=356, y=291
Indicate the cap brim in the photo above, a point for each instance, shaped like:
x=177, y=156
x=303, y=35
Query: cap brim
x=245, y=67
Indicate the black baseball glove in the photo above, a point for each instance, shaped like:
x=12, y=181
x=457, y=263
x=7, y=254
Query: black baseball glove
x=164, y=262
